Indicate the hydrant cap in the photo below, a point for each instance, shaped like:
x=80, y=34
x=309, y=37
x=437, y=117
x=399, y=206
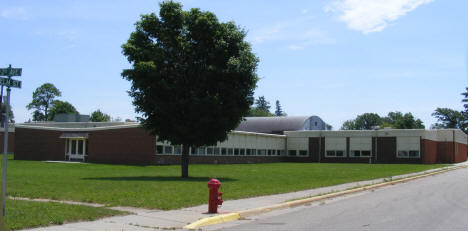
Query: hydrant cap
x=214, y=182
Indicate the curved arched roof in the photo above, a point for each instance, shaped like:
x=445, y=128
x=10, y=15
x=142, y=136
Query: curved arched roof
x=274, y=124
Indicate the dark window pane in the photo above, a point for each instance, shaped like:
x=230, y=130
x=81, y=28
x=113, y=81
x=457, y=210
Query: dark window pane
x=303, y=153
x=413, y=153
x=216, y=151
x=167, y=149
x=247, y=152
x=242, y=151
x=236, y=151
x=229, y=151
x=223, y=151
x=330, y=153
x=73, y=150
x=292, y=152
x=209, y=151
x=159, y=149
x=339, y=153
x=365, y=153
x=80, y=147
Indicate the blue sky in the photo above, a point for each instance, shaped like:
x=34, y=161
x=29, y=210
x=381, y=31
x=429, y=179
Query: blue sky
x=335, y=58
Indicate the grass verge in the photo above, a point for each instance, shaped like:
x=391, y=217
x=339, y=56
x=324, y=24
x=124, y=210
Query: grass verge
x=161, y=186
x=28, y=214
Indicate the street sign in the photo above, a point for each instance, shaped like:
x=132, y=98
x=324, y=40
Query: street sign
x=10, y=71
x=10, y=82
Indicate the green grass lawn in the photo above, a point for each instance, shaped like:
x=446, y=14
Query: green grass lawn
x=161, y=187
x=27, y=214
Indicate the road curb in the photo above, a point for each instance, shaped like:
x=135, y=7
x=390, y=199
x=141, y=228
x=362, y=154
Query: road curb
x=256, y=211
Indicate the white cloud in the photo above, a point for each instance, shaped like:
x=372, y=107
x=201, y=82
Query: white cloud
x=293, y=33
x=372, y=15
x=17, y=13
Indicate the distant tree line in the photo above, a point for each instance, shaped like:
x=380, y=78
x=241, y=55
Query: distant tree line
x=261, y=108
x=46, y=106
x=396, y=120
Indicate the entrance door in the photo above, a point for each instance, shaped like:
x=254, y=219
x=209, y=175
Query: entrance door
x=76, y=149
x=314, y=149
x=386, y=149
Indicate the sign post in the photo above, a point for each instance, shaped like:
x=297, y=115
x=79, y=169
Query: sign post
x=8, y=82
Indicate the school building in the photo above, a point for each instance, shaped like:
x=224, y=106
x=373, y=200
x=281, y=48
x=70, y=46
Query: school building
x=256, y=140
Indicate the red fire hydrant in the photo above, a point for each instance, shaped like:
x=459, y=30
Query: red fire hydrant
x=215, y=197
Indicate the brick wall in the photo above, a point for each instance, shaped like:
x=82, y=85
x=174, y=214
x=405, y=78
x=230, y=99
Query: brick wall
x=121, y=146
x=429, y=151
x=11, y=142
x=35, y=144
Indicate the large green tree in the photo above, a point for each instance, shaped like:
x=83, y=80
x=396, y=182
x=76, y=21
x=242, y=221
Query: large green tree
x=448, y=118
x=192, y=78
x=396, y=120
x=365, y=121
x=399, y=120
x=61, y=107
x=43, y=96
x=261, y=108
x=99, y=116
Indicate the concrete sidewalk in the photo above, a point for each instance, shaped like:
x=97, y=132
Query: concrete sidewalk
x=144, y=220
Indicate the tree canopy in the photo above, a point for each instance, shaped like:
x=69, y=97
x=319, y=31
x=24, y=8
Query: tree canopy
x=98, y=116
x=43, y=96
x=448, y=118
x=279, y=110
x=192, y=77
x=61, y=107
x=396, y=120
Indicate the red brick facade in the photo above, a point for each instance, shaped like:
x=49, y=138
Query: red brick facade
x=121, y=146
x=38, y=144
x=11, y=142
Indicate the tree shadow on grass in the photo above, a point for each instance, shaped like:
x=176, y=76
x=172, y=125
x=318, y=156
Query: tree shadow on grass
x=158, y=178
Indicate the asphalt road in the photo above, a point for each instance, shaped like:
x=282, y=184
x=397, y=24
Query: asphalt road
x=437, y=202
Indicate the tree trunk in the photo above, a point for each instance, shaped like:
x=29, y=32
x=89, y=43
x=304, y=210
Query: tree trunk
x=184, y=163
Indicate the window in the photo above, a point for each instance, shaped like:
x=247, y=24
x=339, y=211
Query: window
x=292, y=152
x=248, y=151
x=355, y=153
x=302, y=153
x=408, y=147
x=242, y=152
x=402, y=154
x=193, y=151
x=73, y=150
x=167, y=149
x=209, y=151
x=330, y=154
x=269, y=152
x=339, y=154
x=261, y=152
x=335, y=147
x=216, y=151
x=230, y=151
x=366, y=153
x=223, y=151
x=236, y=151
x=278, y=152
x=360, y=146
x=201, y=151
x=159, y=149
x=254, y=152
x=413, y=154
x=178, y=149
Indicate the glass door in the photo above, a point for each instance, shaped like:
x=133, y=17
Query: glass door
x=76, y=149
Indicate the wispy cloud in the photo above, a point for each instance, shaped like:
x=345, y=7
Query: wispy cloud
x=372, y=15
x=16, y=13
x=292, y=33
